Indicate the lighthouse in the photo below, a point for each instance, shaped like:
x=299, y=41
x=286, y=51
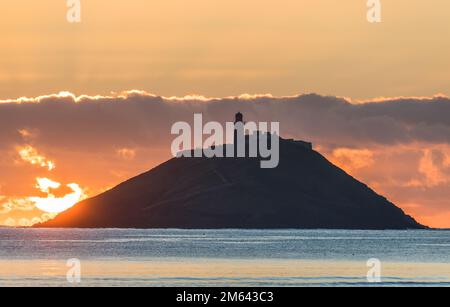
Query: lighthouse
x=238, y=119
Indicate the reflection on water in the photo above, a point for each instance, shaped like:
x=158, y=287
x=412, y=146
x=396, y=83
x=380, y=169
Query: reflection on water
x=223, y=257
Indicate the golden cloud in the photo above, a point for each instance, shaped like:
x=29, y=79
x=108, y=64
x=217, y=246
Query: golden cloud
x=9, y=204
x=435, y=166
x=126, y=153
x=53, y=204
x=25, y=133
x=30, y=154
x=50, y=204
x=353, y=159
x=27, y=222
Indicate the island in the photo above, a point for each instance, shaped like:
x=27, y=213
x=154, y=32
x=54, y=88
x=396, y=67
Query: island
x=305, y=191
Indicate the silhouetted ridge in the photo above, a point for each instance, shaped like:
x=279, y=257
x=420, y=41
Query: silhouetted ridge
x=304, y=191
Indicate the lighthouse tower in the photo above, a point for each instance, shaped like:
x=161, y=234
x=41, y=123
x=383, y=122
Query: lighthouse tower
x=239, y=118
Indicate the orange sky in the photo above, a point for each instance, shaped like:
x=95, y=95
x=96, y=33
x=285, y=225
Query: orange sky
x=225, y=47
x=220, y=48
x=64, y=148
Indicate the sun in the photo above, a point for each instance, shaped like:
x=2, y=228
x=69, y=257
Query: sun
x=53, y=204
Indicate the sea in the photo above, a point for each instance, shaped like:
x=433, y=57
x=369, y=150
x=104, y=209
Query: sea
x=223, y=258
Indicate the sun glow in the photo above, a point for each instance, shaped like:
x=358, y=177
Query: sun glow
x=53, y=204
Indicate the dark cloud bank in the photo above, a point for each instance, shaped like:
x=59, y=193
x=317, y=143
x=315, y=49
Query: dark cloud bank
x=137, y=119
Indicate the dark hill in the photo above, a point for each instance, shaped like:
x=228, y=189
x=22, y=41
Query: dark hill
x=305, y=191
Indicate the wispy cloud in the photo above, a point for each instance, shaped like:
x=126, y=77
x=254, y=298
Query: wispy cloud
x=31, y=155
x=126, y=153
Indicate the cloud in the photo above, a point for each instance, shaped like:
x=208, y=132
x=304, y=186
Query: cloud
x=138, y=118
x=33, y=206
x=126, y=153
x=353, y=159
x=53, y=204
x=25, y=133
x=399, y=146
x=49, y=204
x=9, y=222
x=30, y=154
x=435, y=166
x=27, y=222
x=9, y=204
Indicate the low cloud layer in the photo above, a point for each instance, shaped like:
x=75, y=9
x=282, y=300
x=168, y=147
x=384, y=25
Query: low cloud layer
x=398, y=146
x=136, y=118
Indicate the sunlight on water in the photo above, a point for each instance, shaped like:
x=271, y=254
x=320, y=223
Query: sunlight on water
x=223, y=257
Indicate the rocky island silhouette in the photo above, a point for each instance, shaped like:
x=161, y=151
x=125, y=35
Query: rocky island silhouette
x=305, y=191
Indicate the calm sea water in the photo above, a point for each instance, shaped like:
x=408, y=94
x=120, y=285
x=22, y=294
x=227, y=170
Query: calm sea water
x=112, y=257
